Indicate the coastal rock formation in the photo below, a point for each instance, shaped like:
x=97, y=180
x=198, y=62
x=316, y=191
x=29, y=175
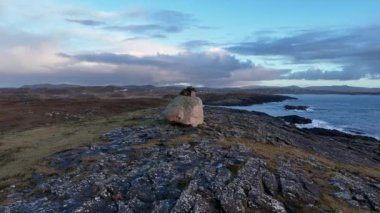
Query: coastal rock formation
x=240, y=162
x=185, y=109
x=241, y=99
x=290, y=107
x=295, y=119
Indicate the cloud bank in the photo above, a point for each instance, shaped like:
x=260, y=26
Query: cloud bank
x=53, y=43
x=356, y=51
x=31, y=58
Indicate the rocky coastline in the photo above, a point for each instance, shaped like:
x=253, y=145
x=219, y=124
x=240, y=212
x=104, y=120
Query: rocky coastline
x=236, y=99
x=241, y=99
x=237, y=161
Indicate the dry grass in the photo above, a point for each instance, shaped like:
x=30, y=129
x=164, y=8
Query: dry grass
x=177, y=141
x=20, y=152
x=20, y=115
x=148, y=144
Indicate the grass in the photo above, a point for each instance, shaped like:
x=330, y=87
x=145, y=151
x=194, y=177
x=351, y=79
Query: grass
x=21, y=152
x=179, y=140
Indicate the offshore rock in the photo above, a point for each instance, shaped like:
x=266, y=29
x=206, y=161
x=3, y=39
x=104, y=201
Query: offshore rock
x=295, y=119
x=291, y=107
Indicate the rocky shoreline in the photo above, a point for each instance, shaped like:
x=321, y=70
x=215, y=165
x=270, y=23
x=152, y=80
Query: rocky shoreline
x=238, y=161
x=241, y=99
x=236, y=99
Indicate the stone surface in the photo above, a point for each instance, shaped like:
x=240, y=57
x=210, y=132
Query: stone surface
x=173, y=168
x=357, y=191
x=187, y=110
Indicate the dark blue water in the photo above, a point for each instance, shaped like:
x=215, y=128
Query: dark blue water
x=354, y=114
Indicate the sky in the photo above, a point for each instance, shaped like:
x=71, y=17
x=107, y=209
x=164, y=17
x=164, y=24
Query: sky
x=210, y=43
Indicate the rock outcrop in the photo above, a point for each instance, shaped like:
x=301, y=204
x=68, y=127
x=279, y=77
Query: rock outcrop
x=295, y=119
x=239, y=162
x=185, y=109
x=290, y=107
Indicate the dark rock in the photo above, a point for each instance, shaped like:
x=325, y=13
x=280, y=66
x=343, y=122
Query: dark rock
x=295, y=119
x=232, y=99
x=188, y=91
x=337, y=133
x=290, y=107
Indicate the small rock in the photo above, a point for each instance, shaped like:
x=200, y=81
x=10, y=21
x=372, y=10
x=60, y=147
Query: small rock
x=345, y=195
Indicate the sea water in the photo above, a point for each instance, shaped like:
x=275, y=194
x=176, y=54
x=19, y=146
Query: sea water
x=353, y=114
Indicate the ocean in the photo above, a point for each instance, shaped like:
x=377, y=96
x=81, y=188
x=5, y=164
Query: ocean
x=353, y=114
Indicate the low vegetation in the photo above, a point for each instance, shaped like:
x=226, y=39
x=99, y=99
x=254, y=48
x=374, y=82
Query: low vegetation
x=21, y=152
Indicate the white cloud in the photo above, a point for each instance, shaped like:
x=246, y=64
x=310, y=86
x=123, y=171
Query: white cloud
x=23, y=52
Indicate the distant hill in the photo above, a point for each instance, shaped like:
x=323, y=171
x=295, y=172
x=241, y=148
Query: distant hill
x=345, y=88
x=315, y=90
x=255, y=89
x=49, y=86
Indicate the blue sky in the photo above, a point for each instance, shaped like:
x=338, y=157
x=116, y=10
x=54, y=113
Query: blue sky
x=202, y=43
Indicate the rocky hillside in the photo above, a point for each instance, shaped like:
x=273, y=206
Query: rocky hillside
x=237, y=162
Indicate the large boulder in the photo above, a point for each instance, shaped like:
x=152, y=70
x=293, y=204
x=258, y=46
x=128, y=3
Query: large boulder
x=187, y=110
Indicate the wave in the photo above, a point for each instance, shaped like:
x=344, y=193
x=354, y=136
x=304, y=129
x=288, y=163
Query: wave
x=318, y=124
x=308, y=109
x=325, y=125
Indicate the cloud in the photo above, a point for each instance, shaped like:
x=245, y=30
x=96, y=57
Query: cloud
x=148, y=23
x=157, y=22
x=356, y=51
x=197, y=66
x=205, y=27
x=22, y=52
x=171, y=16
x=317, y=74
x=86, y=22
x=28, y=58
x=212, y=68
x=147, y=28
x=194, y=44
x=83, y=12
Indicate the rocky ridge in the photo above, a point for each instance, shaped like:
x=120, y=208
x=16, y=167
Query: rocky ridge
x=237, y=162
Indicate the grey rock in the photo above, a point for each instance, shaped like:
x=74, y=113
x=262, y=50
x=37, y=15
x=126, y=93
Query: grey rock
x=345, y=195
x=129, y=173
x=356, y=191
x=295, y=186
